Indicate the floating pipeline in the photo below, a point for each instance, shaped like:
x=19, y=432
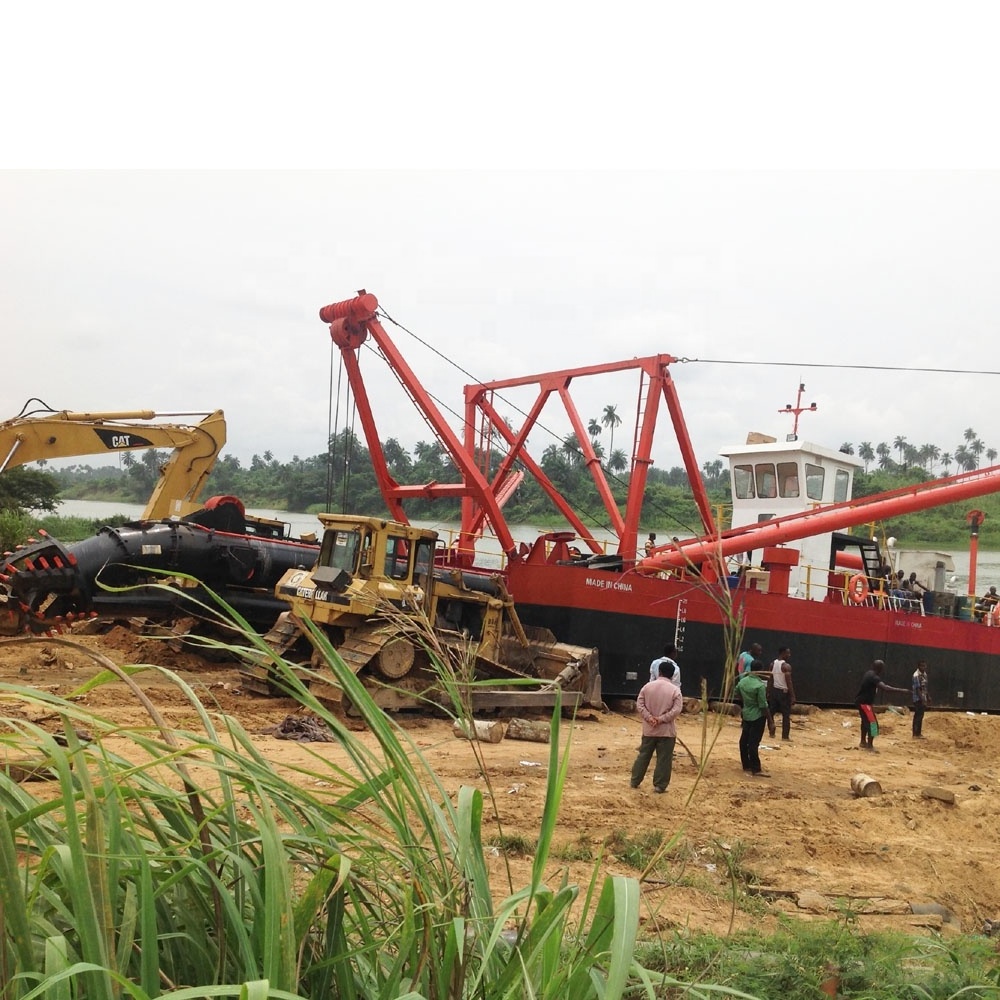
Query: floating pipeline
x=46, y=582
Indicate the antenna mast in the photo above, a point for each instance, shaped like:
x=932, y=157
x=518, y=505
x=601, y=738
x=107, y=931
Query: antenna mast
x=797, y=409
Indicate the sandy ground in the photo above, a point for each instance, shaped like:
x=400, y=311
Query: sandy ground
x=812, y=846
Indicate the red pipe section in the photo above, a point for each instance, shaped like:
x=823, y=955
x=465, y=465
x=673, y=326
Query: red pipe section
x=831, y=518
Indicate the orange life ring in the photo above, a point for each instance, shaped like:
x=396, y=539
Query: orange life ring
x=857, y=588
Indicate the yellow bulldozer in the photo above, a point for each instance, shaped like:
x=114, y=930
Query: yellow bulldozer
x=379, y=598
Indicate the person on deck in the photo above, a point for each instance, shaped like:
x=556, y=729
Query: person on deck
x=871, y=684
x=986, y=604
x=922, y=593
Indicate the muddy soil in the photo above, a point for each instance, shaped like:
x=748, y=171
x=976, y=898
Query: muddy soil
x=906, y=858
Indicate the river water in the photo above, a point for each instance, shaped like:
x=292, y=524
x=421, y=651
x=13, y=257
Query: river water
x=987, y=572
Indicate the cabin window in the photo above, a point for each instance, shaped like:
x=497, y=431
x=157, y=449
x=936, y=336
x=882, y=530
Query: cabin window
x=815, y=478
x=841, y=486
x=766, y=481
x=397, y=560
x=743, y=482
x=340, y=549
x=788, y=479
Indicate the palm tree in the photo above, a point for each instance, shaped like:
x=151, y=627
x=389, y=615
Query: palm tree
x=969, y=435
x=946, y=461
x=964, y=458
x=929, y=454
x=883, y=451
x=611, y=420
x=571, y=449
x=396, y=456
x=899, y=444
x=846, y=448
x=977, y=448
x=618, y=462
x=594, y=429
x=712, y=472
x=866, y=453
x=553, y=460
x=991, y=455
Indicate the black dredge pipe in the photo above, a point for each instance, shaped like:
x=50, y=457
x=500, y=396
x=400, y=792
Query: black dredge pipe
x=67, y=578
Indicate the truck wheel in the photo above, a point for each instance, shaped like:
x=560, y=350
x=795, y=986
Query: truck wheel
x=395, y=659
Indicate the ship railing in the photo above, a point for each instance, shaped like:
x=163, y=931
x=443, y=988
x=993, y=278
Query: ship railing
x=816, y=587
x=490, y=554
x=880, y=597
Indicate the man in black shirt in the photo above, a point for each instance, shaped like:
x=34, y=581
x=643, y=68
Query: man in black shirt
x=871, y=684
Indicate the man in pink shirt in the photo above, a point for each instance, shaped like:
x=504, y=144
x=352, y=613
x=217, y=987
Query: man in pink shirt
x=659, y=703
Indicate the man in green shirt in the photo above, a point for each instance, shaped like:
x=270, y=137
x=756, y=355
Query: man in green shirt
x=753, y=691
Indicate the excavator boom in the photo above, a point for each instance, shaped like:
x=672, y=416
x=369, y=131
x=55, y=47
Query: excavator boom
x=57, y=434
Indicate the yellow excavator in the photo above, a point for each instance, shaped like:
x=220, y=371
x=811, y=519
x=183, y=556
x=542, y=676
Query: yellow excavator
x=46, y=434
x=45, y=583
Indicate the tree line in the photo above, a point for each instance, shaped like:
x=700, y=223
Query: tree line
x=343, y=480
x=966, y=456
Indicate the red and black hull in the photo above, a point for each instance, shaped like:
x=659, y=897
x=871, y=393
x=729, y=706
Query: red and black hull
x=630, y=618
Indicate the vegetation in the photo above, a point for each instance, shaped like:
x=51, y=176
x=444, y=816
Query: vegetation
x=795, y=963
x=17, y=526
x=344, y=480
x=28, y=489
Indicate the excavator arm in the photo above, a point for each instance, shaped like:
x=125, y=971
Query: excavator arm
x=58, y=434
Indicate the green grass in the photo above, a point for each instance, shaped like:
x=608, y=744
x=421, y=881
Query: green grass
x=792, y=963
x=513, y=844
x=17, y=527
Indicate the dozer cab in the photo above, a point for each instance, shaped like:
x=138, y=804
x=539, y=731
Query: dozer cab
x=375, y=583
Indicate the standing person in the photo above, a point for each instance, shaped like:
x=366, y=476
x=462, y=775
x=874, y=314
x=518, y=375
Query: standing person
x=745, y=661
x=871, y=684
x=920, y=698
x=650, y=543
x=668, y=663
x=659, y=703
x=753, y=691
x=782, y=692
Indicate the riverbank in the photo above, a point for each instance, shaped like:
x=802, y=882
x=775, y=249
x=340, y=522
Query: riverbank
x=987, y=573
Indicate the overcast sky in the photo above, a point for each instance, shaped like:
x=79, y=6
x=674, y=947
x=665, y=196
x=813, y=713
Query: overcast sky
x=522, y=197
